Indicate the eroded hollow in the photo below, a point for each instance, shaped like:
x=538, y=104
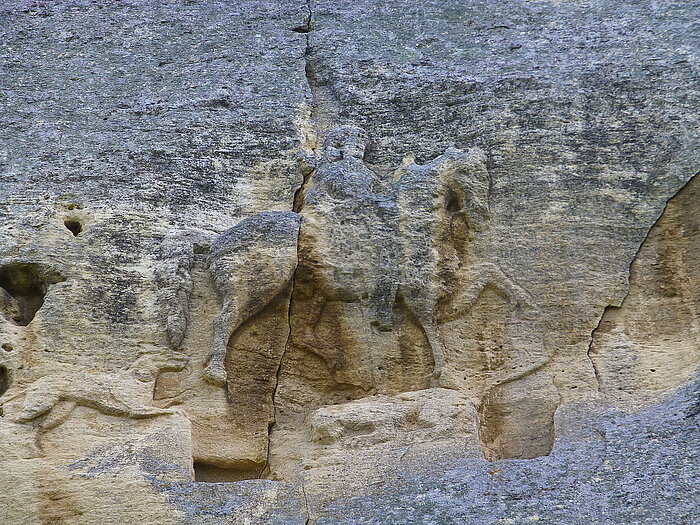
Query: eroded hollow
x=516, y=420
x=74, y=225
x=452, y=203
x=4, y=380
x=209, y=473
x=26, y=285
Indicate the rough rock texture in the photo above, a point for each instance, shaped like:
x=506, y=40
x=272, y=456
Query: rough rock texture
x=362, y=262
x=651, y=341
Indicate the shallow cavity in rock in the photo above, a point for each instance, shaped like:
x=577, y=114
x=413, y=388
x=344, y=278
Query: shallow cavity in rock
x=4, y=380
x=27, y=284
x=214, y=474
x=74, y=226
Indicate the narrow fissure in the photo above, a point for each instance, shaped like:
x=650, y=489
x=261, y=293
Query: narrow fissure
x=306, y=504
x=312, y=116
x=308, y=67
x=596, y=371
x=273, y=422
x=297, y=205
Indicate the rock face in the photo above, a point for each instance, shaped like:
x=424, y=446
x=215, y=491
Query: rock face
x=650, y=341
x=371, y=262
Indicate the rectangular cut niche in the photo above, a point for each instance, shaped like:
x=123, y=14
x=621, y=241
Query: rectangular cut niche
x=206, y=472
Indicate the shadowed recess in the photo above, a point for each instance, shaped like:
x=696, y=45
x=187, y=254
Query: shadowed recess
x=74, y=226
x=26, y=285
x=4, y=380
x=209, y=473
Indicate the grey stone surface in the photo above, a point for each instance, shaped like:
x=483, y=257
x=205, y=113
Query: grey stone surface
x=134, y=133
x=610, y=468
x=157, y=107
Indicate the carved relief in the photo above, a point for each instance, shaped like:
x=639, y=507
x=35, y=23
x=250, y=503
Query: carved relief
x=433, y=200
x=347, y=261
x=173, y=276
x=410, y=417
x=127, y=394
x=390, y=292
x=250, y=264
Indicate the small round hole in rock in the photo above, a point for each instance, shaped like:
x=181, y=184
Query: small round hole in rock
x=8, y=347
x=74, y=226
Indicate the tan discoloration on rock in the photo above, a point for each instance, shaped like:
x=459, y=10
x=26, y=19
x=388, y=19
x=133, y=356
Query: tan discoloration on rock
x=651, y=342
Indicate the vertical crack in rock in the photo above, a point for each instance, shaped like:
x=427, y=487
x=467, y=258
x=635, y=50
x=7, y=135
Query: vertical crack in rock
x=325, y=108
x=308, y=121
x=273, y=421
x=309, y=70
x=306, y=504
x=613, y=306
x=309, y=130
x=596, y=371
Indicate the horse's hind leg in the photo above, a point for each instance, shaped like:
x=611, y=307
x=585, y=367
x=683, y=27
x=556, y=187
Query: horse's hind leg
x=423, y=312
x=224, y=325
x=438, y=354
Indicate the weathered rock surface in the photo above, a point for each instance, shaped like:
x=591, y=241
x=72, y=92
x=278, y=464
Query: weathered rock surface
x=650, y=342
x=366, y=262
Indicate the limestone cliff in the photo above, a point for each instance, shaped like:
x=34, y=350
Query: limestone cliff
x=365, y=262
